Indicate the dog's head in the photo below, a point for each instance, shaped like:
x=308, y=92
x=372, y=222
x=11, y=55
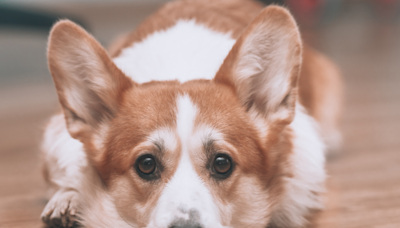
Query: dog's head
x=205, y=153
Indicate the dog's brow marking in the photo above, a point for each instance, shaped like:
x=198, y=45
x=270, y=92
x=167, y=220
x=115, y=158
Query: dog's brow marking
x=163, y=139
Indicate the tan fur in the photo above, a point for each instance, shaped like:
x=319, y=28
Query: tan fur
x=119, y=115
x=226, y=114
x=318, y=74
x=260, y=162
x=68, y=72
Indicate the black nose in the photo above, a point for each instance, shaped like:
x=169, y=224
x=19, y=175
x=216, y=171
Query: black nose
x=192, y=222
x=185, y=225
x=181, y=223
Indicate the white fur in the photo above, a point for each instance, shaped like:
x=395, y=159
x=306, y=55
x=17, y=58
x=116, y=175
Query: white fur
x=164, y=135
x=185, y=193
x=307, y=162
x=69, y=172
x=62, y=151
x=183, y=52
x=97, y=206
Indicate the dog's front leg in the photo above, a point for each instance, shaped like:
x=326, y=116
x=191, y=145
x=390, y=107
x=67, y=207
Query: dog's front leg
x=61, y=210
x=64, y=166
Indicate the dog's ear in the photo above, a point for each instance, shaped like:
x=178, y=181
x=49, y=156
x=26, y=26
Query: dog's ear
x=264, y=64
x=89, y=85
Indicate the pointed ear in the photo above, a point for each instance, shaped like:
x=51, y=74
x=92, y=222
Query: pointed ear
x=264, y=64
x=88, y=83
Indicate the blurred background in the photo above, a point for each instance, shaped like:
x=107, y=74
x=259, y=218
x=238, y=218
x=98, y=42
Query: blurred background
x=361, y=36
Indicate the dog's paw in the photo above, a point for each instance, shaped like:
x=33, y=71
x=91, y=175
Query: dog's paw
x=60, y=211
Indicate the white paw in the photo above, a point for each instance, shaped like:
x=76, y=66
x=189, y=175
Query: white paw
x=60, y=211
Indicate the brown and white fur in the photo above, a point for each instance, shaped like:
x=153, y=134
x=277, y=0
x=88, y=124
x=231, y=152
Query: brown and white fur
x=198, y=78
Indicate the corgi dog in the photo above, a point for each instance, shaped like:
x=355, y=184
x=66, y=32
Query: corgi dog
x=211, y=114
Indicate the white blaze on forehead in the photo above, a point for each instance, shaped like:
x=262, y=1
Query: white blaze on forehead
x=185, y=196
x=185, y=118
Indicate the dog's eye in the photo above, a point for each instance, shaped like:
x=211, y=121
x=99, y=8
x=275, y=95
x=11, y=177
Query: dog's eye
x=222, y=164
x=146, y=164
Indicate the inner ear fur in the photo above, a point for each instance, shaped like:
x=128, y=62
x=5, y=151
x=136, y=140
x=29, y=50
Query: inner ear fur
x=264, y=65
x=88, y=83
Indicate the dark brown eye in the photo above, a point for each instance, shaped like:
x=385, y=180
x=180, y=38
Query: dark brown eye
x=222, y=164
x=146, y=165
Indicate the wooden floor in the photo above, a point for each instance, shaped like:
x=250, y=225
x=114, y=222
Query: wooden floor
x=363, y=189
